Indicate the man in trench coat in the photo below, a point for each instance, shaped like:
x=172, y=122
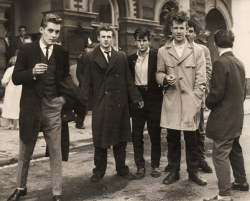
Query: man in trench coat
x=225, y=122
x=108, y=72
x=42, y=67
x=181, y=70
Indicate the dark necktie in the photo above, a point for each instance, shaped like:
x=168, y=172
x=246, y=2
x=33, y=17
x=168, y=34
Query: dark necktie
x=109, y=57
x=47, y=53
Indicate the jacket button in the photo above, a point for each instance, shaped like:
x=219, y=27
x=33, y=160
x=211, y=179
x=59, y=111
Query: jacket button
x=64, y=115
x=106, y=92
x=180, y=78
x=118, y=91
x=119, y=105
x=117, y=75
x=182, y=91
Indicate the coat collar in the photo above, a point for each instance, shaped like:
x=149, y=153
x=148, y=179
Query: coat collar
x=99, y=58
x=188, y=49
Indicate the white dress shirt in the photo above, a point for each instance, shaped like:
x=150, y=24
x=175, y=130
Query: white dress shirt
x=105, y=54
x=226, y=50
x=141, y=69
x=43, y=48
x=179, y=48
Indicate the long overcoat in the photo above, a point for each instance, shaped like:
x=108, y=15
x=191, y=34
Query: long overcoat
x=30, y=104
x=182, y=102
x=226, y=98
x=111, y=83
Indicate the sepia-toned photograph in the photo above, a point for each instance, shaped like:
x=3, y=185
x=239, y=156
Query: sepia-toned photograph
x=124, y=100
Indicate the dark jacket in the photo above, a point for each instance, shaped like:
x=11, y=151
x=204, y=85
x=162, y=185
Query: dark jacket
x=226, y=98
x=30, y=104
x=112, y=84
x=154, y=91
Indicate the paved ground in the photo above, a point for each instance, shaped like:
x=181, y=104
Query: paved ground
x=10, y=139
x=79, y=168
x=77, y=187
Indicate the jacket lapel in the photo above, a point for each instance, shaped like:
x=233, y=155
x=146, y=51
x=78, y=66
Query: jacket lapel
x=114, y=57
x=150, y=65
x=169, y=45
x=188, y=49
x=100, y=59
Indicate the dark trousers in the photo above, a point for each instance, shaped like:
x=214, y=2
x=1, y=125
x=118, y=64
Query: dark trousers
x=139, y=118
x=174, y=150
x=100, y=159
x=151, y=114
x=80, y=111
x=226, y=152
x=200, y=135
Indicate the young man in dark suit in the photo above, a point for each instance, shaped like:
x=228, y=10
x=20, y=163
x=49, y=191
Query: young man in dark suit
x=41, y=68
x=224, y=125
x=143, y=66
x=19, y=41
x=108, y=73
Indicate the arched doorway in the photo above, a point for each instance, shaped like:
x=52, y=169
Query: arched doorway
x=214, y=22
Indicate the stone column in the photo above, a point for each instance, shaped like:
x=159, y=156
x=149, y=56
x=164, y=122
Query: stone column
x=4, y=4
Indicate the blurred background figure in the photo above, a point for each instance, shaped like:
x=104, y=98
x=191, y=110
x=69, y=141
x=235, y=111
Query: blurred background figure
x=12, y=97
x=7, y=47
x=21, y=39
x=80, y=109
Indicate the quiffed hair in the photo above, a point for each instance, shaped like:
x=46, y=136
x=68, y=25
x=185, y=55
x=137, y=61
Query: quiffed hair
x=50, y=17
x=141, y=32
x=179, y=17
x=224, y=38
x=105, y=28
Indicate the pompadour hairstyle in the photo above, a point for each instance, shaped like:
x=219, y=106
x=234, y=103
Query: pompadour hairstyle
x=141, y=32
x=50, y=17
x=105, y=28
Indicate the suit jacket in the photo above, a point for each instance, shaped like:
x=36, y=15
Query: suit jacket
x=153, y=96
x=30, y=103
x=226, y=98
x=154, y=91
x=112, y=84
x=17, y=43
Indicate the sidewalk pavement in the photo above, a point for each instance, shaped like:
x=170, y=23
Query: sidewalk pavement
x=9, y=139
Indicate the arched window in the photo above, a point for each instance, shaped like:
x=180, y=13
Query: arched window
x=103, y=7
x=168, y=8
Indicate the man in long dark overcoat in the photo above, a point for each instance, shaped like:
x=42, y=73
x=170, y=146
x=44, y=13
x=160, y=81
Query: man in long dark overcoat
x=108, y=72
x=225, y=122
x=41, y=68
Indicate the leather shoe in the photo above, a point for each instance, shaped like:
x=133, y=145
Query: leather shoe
x=168, y=168
x=171, y=178
x=205, y=167
x=80, y=126
x=17, y=194
x=127, y=175
x=140, y=173
x=240, y=186
x=155, y=172
x=197, y=179
x=57, y=198
x=96, y=177
x=220, y=198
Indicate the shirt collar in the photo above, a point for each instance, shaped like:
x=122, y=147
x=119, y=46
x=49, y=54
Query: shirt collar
x=105, y=50
x=137, y=53
x=43, y=46
x=226, y=50
x=181, y=44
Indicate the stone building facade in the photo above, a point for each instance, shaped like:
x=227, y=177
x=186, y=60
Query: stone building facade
x=82, y=17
